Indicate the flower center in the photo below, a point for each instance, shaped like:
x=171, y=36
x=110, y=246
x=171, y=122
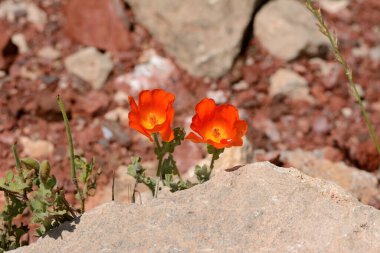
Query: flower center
x=151, y=120
x=216, y=134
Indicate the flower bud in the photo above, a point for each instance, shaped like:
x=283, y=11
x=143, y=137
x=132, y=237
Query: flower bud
x=30, y=163
x=44, y=171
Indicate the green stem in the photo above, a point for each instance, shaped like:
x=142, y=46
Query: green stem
x=15, y=155
x=213, y=159
x=159, y=155
x=72, y=162
x=348, y=72
x=18, y=166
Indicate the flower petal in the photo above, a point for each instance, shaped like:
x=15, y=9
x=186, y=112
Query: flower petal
x=139, y=128
x=241, y=127
x=205, y=108
x=194, y=138
x=167, y=133
x=161, y=100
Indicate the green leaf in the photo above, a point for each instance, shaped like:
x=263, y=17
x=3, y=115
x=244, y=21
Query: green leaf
x=203, y=173
x=9, y=176
x=36, y=205
x=51, y=182
x=135, y=168
x=18, y=187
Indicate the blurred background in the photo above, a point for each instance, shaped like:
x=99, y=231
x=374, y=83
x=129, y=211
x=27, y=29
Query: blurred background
x=265, y=57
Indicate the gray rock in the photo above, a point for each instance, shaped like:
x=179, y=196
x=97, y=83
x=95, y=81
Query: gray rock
x=288, y=83
x=203, y=36
x=90, y=65
x=286, y=28
x=257, y=208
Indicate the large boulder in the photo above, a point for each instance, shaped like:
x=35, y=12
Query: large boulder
x=286, y=29
x=203, y=36
x=256, y=208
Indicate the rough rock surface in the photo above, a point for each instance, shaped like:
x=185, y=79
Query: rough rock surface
x=286, y=28
x=204, y=44
x=90, y=65
x=361, y=184
x=259, y=207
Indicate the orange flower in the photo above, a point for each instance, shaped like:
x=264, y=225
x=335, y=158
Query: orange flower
x=153, y=114
x=218, y=126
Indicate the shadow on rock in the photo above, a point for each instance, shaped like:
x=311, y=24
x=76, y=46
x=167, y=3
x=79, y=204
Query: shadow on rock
x=68, y=226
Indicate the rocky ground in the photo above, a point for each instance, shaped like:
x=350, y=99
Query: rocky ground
x=265, y=58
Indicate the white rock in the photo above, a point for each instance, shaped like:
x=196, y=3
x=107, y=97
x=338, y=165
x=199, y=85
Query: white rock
x=286, y=28
x=334, y=6
x=347, y=112
x=10, y=8
x=19, y=40
x=239, y=86
x=217, y=95
x=118, y=114
x=154, y=72
x=90, y=65
x=36, y=148
x=36, y=16
x=49, y=53
x=29, y=74
x=121, y=98
x=288, y=83
x=374, y=54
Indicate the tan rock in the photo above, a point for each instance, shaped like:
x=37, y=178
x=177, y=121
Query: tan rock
x=290, y=84
x=361, y=184
x=49, y=53
x=205, y=44
x=257, y=208
x=36, y=148
x=90, y=65
x=286, y=28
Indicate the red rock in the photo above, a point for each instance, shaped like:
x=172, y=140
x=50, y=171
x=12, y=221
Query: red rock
x=337, y=103
x=333, y=154
x=365, y=154
x=99, y=23
x=92, y=102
